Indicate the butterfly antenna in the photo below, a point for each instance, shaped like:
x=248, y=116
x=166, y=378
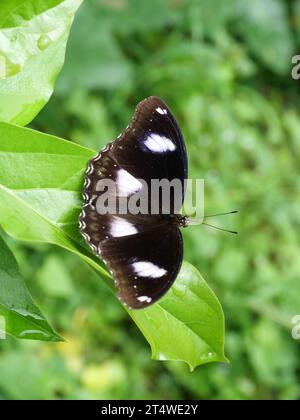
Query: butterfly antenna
x=219, y=228
x=221, y=214
x=196, y=221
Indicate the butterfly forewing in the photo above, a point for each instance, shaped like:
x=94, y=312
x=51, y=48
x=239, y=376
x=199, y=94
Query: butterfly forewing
x=152, y=146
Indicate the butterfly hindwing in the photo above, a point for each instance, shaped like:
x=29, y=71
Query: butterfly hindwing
x=145, y=265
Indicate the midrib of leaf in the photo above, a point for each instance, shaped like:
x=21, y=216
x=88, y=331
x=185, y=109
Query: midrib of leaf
x=155, y=348
x=42, y=189
x=213, y=310
x=40, y=153
x=86, y=152
x=187, y=328
x=74, y=175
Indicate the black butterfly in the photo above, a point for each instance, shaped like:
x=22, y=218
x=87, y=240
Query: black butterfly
x=144, y=251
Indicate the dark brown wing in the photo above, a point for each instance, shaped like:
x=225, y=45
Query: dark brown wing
x=144, y=266
x=152, y=146
x=144, y=252
x=97, y=227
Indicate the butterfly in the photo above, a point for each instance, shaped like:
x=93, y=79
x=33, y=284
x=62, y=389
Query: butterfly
x=143, y=252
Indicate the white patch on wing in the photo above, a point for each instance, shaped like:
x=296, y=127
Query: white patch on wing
x=127, y=184
x=120, y=227
x=148, y=269
x=159, y=144
x=161, y=111
x=144, y=299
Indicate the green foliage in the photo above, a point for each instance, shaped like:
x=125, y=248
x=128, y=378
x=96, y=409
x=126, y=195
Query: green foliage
x=33, y=36
x=224, y=68
x=22, y=317
x=264, y=25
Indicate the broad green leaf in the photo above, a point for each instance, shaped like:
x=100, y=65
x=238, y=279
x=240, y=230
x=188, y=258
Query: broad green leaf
x=187, y=324
x=33, y=37
x=40, y=197
x=22, y=317
x=40, y=183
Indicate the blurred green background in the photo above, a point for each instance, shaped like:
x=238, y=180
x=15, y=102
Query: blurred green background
x=224, y=67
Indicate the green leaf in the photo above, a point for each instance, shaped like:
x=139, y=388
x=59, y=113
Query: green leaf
x=187, y=324
x=22, y=317
x=33, y=37
x=40, y=188
x=40, y=198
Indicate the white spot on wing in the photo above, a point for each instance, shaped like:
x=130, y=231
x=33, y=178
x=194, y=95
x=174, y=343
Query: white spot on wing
x=161, y=111
x=120, y=227
x=148, y=269
x=159, y=144
x=144, y=299
x=127, y=184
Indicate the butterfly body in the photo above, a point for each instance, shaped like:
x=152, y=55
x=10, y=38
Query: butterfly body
x=143, y=251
